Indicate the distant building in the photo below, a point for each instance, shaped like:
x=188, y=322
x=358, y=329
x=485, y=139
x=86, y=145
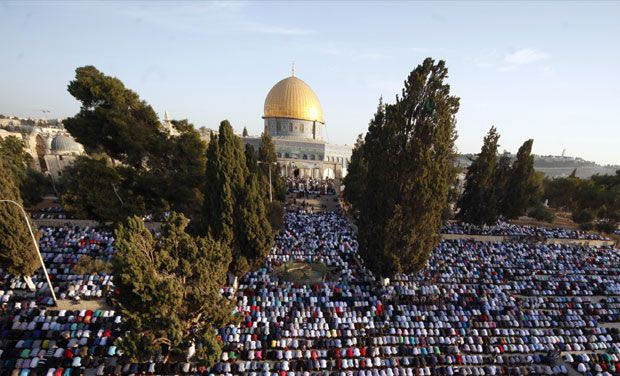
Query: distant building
x=50, y=146
x=293, y=117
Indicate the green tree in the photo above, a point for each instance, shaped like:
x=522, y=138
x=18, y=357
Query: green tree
x=169, y=289
x=501, y=177
x=409, y=148
x=355, y=181
x=234, y=210
x=13, y=152
x=253, y=232
x=93, y=189
x=180, y=158
x=522, y=185
x=31, y=183
x=17, y=253
x=267, y=155
x=33, y=186
x=250, y=159
x=117, y=125
x=113, y=119
x=225, y=178
x=479, y=202
x=275, y=213
x=245, y=132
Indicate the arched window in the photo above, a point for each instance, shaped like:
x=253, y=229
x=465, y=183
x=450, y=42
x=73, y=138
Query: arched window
x=290, y=127
x=312, y=157
x=305, y=156
x=279, y=155
x=286, y=155
x=301, y=128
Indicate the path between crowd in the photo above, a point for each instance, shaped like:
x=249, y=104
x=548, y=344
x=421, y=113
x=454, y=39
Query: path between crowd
x=93, y=305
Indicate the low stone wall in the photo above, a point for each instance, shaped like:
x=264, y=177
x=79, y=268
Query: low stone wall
x=593, y=243
x=494, y=238
x=480, y=238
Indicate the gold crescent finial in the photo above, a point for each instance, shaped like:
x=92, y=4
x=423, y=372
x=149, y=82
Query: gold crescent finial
x=293, y=69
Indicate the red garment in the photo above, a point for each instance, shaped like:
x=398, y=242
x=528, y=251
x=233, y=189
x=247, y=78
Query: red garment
x=59, y=371
x=68, y=354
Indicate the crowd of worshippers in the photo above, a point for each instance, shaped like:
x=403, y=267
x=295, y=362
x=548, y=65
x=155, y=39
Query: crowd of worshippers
x=478, y=308
x=311, y=186
x=502, y=228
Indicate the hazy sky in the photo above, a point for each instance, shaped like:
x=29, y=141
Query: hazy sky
x=547, y=71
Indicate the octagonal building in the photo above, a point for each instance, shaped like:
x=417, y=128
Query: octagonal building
x=293, y=117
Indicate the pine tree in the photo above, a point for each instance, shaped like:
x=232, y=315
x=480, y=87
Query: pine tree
x=409, y=149
x=17, y=253
x=169, y=289
x=116, y=124
x=478, y=204
x=245, y=132
x=521, y=187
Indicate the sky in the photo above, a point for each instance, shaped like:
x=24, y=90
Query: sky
x=541, y=70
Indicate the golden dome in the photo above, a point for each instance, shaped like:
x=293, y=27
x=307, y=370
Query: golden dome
x=292, y=98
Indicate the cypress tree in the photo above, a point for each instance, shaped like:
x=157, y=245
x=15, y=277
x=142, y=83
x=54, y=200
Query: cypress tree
x=250, y=159
x=267, y=155
x=224, y=179
x=234, y=210
x=17, y=253
x=521, y=185
x=409, y=149
x=478, y=204
x=169, y=289
x=253, y=234
x=500, y=180
x=355, y=181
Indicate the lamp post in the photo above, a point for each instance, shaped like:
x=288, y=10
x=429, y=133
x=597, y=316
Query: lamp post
x=36, y=247
x=269, y=165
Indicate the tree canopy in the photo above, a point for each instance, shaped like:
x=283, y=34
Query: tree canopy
x=169, y=289
x=409, y=154
x=356, y=176
x=156, y=171
x=31, y=183
x=17, y=253
x=234, y=209
x=479, y=202
x=595, y=198
x=522, y=183
x=267, y=155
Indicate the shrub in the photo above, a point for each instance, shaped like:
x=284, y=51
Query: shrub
x=606, y=226
x=583, y=216
x=541, y=213
x=88, y=265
